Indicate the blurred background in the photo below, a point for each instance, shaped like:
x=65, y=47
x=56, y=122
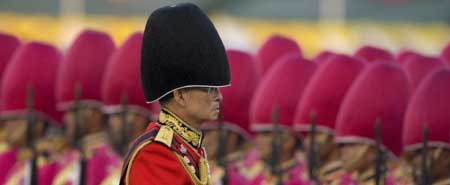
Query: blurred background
x=340, y=25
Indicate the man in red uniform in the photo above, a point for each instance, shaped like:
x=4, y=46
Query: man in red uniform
x=183, y=64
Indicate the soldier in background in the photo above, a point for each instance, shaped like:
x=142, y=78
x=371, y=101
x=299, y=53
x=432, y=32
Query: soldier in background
x=124, y=100
x=320, y=102
x=429, y=152
x=29, y=113
x=8, y=44
x=228, y=139
x=275, y=141
x=371, y=116
x=90, y=158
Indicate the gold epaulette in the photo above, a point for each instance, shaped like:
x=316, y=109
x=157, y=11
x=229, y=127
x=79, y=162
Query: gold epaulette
x=165, y=136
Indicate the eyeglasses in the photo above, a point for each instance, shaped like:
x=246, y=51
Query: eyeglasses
x=212, y=91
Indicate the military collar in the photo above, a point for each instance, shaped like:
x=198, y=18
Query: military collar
x=181, y=128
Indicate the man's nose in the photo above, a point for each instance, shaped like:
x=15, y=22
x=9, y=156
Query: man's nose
x=219, y=97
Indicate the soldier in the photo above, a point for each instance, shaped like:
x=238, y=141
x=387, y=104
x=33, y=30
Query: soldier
x=321, y=99
x=78, y=94
x=371, y=115
x=418, y=67
x=183, y=70
x=8, y=44
x=372, y=54
x=228, y=140
x=124, y=100
x=445, y=54
x=273, y=49
x=429, y=109
x=29, y=112
x=276, y=143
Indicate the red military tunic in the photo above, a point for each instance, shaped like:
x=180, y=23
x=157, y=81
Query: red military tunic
x=169, y=152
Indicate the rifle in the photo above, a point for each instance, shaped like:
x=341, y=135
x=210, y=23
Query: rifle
x=122, y=148
x=425, y=176
x=379, y=160
x=30, y=143
x=312, y=152
x=220, y=149
x=275, y=146
x=77, y=137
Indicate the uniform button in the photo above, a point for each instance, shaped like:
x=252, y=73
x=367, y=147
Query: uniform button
x=192, y=169
x=183, y=149
x=186, y=159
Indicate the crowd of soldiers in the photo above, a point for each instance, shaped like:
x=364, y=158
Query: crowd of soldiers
x=372, y=117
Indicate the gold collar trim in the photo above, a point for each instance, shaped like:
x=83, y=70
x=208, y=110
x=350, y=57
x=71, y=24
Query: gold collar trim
x=181, y=128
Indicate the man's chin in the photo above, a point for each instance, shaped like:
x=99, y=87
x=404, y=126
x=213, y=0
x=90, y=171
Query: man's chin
x=214, y=117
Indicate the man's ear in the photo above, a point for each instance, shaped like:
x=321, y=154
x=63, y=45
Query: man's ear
x=180, y=97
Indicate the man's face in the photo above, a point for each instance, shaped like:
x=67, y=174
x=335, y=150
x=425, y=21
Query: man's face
x=203, y=103
x=439, y=157
x=357, y=156
x=15, y=131
x=88, y=117
x=323, y=141
x=263, y=142
x=2, y=132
